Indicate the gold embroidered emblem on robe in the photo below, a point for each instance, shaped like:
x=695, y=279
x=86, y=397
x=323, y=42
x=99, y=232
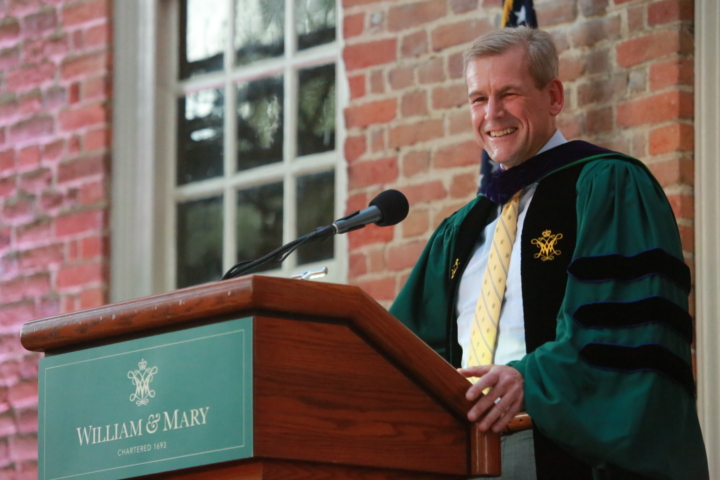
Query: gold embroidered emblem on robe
x=546, y=244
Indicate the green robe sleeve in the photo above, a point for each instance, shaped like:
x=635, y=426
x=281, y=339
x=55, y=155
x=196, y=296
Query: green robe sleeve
x=640, y=420
x=423, y=303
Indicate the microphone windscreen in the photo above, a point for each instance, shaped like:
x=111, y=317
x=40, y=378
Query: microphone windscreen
x=393, y=205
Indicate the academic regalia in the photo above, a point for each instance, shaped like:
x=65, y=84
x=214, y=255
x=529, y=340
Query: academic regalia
x=608, y=375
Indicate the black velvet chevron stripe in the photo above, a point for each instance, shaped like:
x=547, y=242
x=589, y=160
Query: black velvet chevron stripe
x=629, y=314
x=650, y=357
x=619, y=267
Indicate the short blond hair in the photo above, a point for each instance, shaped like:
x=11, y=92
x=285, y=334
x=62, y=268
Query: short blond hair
x=540, y=51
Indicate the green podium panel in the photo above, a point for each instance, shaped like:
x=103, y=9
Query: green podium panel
x=160, y=403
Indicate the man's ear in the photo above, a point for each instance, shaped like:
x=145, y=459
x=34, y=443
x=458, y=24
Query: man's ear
x=557, y=96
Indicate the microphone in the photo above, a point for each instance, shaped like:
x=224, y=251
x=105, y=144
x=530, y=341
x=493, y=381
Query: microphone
x=388, y=208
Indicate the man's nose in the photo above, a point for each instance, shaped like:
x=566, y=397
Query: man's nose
x=495, y=108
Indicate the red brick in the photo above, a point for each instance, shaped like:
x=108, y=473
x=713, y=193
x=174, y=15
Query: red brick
x=41, y=257
x=372, y=172
x=414, y=163
x=636, y=18
x=404, y=256
x=459, y=122
x=357, y=264
x=12, y=291
x=54, y=98
x=672, y=138
x=92, y=297
x=599, y=120
x=39, y=23
x=92, y=193
x=377, y=82
x=377, y=140
x=78, y=13
x=450, y=96
x=555, y=12
x=9, y=58
x=683, y=205
x=597, y=60
x=571, y=67
x=414, y=103
x=9, y=30
x=80, y=168
x=412, y=15
x=354, y=3
x=466, y=153
x=415, y=133
x=414, y=45
x=23, y=395
x=356, y=202
x=92, y=247
x=353, y=25
x=22, y=7
x=82, y=117
x=464, y=185
x=18, y=210
x=28, y=158
x=602, y=91
x=7, y=161
x=455, y=66
x=370, y=113
x=687, y=238
x=355, y=147
x=425, y=192
x=679, y=71
x=80, y=275
x=28, y=421
x=668, y=11
x=357, y=86
x=5, y=234
x=462, y=6
x=12, y=317
x=452, y=34
x=655, y=45
x=596, y=30
x=38, y=231
x=32, y=128
x=94, y=88
x=80, y=222
x=673, y=172
x=570, y=125
x=431, y=71
x=96, y=36
x=7, y=425
x=383, y=289
x=591, y=8
x=30, y=103
x=74, y=93
x=53, y=151
x=29, y=366
x=23, y=448
x=30, y=76
x=36, y=181
x=7, y=187
x=96, y=139
x=416, y=223
x=370, y=235
x=657, y=108
x=84, y=66
x=367, y=54
x=401, y=77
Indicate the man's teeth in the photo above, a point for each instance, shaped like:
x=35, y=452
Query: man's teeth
x=501, y=133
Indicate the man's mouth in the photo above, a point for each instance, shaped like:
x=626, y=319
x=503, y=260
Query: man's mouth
x=502, y=133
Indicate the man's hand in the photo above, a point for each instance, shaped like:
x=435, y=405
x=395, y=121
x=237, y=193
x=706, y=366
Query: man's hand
x=506, y=384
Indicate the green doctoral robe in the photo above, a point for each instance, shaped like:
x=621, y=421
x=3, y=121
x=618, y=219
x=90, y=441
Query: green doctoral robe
x=612, y=385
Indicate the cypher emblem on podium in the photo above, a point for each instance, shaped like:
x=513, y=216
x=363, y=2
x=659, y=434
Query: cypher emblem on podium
x=141, y=378
x=546, y=244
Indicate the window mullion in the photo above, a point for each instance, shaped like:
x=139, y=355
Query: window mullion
x=229, y=148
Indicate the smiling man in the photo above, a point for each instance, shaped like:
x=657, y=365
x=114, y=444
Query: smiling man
x=561, y=289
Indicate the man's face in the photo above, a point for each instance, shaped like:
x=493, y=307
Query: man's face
x=512, y=118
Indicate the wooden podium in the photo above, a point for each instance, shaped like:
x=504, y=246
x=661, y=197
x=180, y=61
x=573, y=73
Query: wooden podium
x=340, y=388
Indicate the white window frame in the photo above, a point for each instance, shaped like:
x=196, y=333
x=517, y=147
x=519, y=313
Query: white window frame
x=707, y=223
x=144, y=192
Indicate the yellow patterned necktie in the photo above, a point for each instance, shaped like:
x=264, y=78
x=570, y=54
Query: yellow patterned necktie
x=483, y=334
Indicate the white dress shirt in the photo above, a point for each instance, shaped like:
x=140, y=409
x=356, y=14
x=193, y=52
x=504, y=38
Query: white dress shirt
x=511, y=332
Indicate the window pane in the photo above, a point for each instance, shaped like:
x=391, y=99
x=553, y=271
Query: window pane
x=314, y=22
x=259, y=30
x=316, y=110
x=200, y=136
x=260, y=122
x=315, y=208
x=203, y=30
x=259, y=222
x=199, y=241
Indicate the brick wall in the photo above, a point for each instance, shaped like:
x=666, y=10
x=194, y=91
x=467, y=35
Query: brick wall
x=54, y=144
x=627, y=67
